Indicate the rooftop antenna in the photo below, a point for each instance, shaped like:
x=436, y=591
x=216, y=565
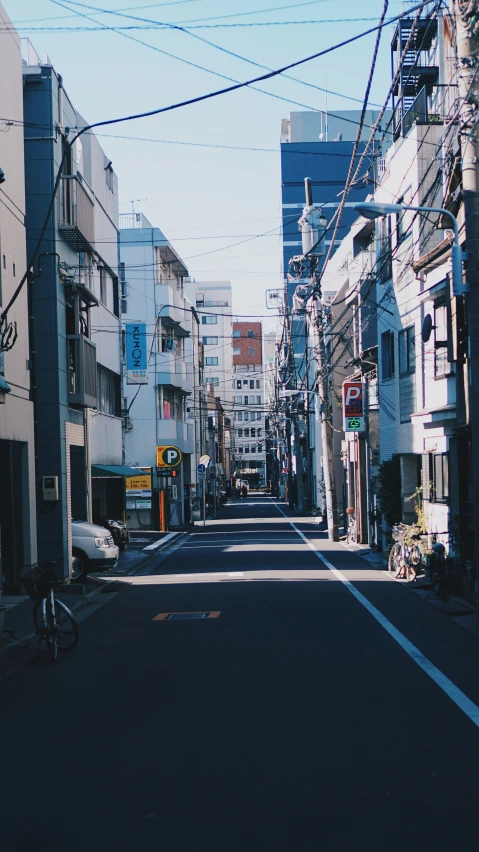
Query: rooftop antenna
x=133, y=201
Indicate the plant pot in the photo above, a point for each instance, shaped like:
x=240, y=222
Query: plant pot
x=3, y=610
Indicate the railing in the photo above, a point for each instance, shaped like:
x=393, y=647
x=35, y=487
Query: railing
x=76, y=213
x=410, y=111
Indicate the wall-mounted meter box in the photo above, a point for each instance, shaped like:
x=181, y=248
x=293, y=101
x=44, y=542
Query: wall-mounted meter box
x=50, y=488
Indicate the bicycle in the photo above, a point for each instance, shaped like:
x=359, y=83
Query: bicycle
x=53, y=621
x=405, y=556
x=438, y=571
x=352, y=531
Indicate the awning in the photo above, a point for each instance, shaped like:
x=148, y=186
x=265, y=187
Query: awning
x=98, y=470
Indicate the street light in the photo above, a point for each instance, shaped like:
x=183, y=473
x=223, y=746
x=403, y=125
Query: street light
x=374, y=209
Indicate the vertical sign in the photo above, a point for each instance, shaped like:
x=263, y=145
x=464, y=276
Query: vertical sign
x=136, y=354
x=353, y=411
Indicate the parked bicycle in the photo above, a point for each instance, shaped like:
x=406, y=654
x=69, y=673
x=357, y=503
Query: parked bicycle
x=352, y=531
x=437, y=570
x=54, y=623
x=405, y=556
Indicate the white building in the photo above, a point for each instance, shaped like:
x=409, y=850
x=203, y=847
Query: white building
x=213, y=300
x=18, y=546
x=160, y=412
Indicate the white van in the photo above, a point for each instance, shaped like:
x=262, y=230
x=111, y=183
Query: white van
x=93, y=549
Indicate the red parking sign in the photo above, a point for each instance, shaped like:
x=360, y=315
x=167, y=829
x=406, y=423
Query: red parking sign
x=353, y=407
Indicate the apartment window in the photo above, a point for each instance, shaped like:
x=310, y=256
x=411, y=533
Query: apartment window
x=253, y=432
x=251, y=384
x=246, y=449
x=440, y=340
x=4, y=262
x=209, y=319
x=260, y=448
x=109, y=398
x=210, y=341
x=216, y=303
x=440, y=477
x=173, y=405
x=250, y=332
x=124, y=289
x=245, y=415
x=387, y=355
x=258, y=385
x=236, y=351
x=250, y=350
x=403, y=220
x=253, y=448
x=258, y=433
x=245, y=383
x=212, y=380
x=211, y=361
x=246, y=433
x=239, y=416
x=236, y=333
x=407, y=351
x=240, y=450
x=385, y=250
x=240, y=433
x=238, y=384
x=258, y=400
x=103, y=286
x=246, y=400
x=14, y=271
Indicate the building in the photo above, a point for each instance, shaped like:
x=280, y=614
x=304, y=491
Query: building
x=75, y=308
x=159, y=405
x=18, y=545
x=249, y=404
x=270, y=400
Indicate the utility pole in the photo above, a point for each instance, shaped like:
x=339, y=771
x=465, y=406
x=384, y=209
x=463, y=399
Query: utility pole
x=468, y=80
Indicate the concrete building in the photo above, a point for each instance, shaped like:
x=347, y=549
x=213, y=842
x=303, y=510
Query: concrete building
x=75, y=307
x=18, y=546
x=161, y=411
x=249, y=404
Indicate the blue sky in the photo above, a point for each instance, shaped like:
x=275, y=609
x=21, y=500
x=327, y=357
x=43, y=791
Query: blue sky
x=207, y=198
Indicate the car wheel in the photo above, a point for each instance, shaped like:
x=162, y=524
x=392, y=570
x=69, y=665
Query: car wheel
x=79, y=566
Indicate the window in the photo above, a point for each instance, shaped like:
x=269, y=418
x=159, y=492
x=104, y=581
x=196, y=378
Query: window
x=239, y=416
x=250, y=350
x=103, y=286
x=407, y=351
x=245, y=416
x=238, y=384
x=236, y=351
x=260, y=448
x=253, y=432
x=251, y=384
x=212, y=380
x=440, y=340
x=253, y=448
x=246, y=433
x=240, y=450
x=435, y=477
x=258, y=384
x=385, y=268
x=109, y=176
x=245, y=383
x=210, y=341
x=209, y=319
x=258, y=400
x=4, y=262
x=246, y=449
x=14, y=271
x=387, y=355
x=240, y=433
x=109, y=400
x=258, y=433
x=250, y=332
x=236, y=333
x=124, y=289
x=173, y=405
x=246, y=400
x=403, y=220
x=211, y=361
x=218, y=303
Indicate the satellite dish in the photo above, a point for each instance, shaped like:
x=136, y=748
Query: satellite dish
x=427, y=328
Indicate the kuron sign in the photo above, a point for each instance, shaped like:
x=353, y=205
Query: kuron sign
x=136, y=354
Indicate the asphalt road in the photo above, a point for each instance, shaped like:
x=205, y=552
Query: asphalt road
x=324, y=708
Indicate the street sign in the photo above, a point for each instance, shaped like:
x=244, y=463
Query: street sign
x=353, y=410
x=201, y=468
x=201, y=474
x=168, y=456
x=164, y=471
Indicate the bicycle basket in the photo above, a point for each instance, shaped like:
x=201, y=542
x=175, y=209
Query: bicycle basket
x=40, y=581
x=399, y=532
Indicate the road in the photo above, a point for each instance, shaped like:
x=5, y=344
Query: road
x=315, y=706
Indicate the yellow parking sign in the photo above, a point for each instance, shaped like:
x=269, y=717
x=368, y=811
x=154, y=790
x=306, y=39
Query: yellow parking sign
x=168, y=456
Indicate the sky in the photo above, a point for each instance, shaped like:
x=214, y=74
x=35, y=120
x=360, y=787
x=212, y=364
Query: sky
x=217, y=202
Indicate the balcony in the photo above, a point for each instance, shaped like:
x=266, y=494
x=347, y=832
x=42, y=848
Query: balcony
x=76, y=213
x=173, y=310
x=82, y=390
x=422, y=109
x=173, y=372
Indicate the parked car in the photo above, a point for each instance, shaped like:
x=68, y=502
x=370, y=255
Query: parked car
x=119, y=531
x=93, y=549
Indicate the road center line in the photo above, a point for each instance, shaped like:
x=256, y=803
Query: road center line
x=452, y=691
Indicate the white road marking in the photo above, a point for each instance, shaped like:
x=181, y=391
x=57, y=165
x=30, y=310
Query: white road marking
x=452, y=691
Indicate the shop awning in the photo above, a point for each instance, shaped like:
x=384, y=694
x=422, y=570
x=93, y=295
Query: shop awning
x=98, y=470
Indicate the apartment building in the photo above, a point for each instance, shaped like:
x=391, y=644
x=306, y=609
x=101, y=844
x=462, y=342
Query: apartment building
x=18, y=546
x=249, y=404
x=159, y=401
x=75, y=308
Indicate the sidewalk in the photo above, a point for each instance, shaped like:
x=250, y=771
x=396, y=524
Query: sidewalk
x=18, y=624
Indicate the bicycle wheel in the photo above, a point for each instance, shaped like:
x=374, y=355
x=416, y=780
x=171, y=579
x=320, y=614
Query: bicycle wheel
x=66, y=626
x=395, y=558
x=50, y=630
x=414, y=556
x=352, y=536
